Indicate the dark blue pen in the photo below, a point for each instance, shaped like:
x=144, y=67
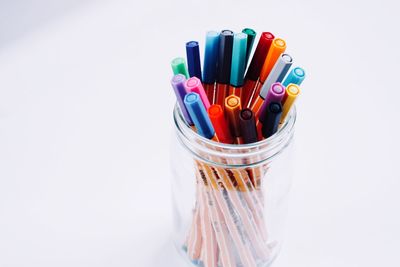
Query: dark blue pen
x=271, y=121
x=193, y=59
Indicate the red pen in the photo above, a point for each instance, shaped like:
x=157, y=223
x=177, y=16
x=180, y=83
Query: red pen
x=256, y=64
x=216, y=114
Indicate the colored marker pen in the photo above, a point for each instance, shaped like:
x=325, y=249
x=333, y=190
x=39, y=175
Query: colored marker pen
x=296, y=76
x=193, y=59
x=224, y=66
x=179, y=66
x=256, y=64
x=277, y=74
x=194, y=85
x=247, y=124
x=232, y=108
x=271, y=122
x=210, y=64
x=278, y=46
x=292, y=92
x=199, y=116
x=238, y=64
x=178, y=84
x=216, y=114
x=275, y=94
x=251, y=35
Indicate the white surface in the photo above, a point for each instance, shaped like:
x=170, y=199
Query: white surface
x=84, y=175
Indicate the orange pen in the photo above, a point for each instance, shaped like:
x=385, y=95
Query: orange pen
x=232, y=108
x=278, y=46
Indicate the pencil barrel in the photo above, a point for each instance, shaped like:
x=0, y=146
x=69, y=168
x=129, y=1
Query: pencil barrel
x=230, y=201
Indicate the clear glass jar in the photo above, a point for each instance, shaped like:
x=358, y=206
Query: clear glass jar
x=230, y=201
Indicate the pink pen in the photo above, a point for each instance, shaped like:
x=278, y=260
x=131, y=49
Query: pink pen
x=194, y=85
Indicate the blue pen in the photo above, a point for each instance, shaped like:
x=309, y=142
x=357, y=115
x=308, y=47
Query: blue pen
x=295, y=76
x=271, y=122
x=193, y=59
x=199, y=115
x=238, y=64
x=210, y=63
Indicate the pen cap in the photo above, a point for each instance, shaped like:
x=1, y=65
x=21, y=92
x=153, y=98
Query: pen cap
x=179, y=66
x=271, y=123
x=278, y=72
x=275, y=94
x=251, y=35
x=295, y=76
x=292, y=92
x=232, y=108
x=278, y=46
x=247, y=124
x=256, y=64
x=238, y=59
x=210, y=57
x=220, y=124
x=178, y=84
x=193, y=59
x=199, y=115
x=224, y=57
x=194, y=85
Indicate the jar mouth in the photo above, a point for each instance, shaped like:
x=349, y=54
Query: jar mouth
x=234, y=155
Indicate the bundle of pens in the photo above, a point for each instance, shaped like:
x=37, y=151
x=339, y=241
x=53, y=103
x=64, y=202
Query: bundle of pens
x=226, y=105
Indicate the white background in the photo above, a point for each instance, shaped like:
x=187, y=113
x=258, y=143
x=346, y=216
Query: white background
x=85, y=122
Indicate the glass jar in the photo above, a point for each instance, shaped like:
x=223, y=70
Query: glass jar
x=230, y=201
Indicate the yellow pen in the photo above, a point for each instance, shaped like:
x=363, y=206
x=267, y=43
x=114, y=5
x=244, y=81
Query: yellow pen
x=292, y=91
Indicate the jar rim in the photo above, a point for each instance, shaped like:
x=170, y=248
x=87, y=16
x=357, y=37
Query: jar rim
x=267, y=148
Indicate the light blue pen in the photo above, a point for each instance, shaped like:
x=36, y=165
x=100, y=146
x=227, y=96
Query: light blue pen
x=295, y=76
x=199, y=116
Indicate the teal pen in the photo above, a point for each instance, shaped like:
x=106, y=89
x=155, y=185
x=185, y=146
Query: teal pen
x=295, y=76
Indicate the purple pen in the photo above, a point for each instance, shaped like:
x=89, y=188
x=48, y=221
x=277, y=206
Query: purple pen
x=178, y=83
x=274, y=94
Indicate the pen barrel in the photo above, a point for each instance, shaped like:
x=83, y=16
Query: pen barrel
x=254, y=96
x=247, y=90
x=228, y=200
x=221, y=91
x=237, y=91
x=209, y=89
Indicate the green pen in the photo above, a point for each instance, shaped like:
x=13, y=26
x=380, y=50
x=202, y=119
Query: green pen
x=179, y=67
